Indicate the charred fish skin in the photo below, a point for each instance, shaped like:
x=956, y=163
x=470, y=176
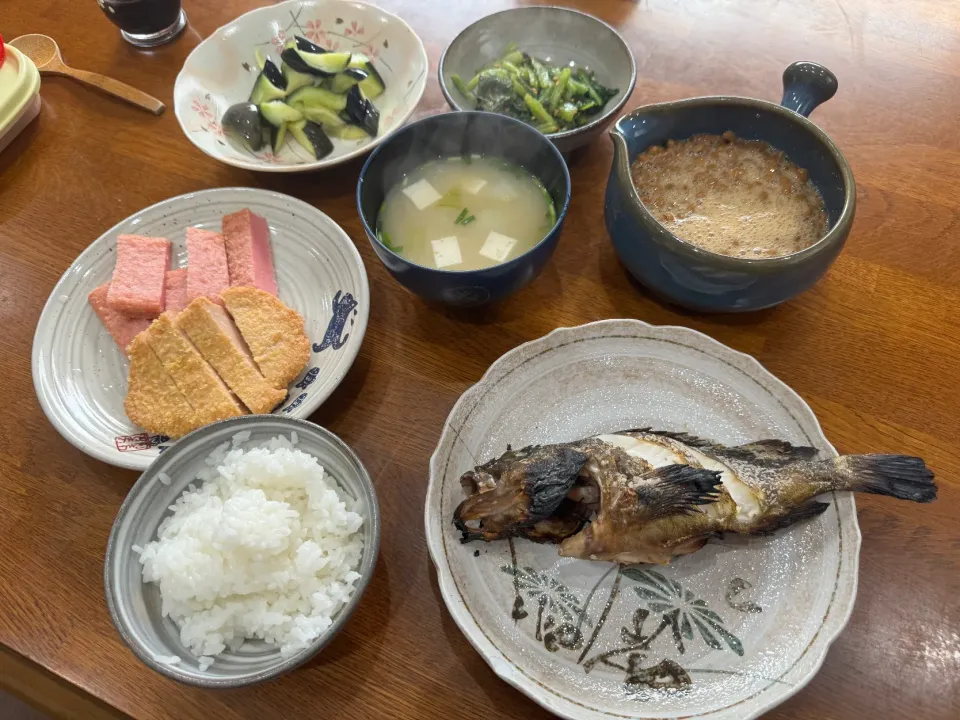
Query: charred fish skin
x=629, y=504
x=514, y=492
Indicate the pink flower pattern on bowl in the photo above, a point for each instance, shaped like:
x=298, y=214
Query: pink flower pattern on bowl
x=210, y=82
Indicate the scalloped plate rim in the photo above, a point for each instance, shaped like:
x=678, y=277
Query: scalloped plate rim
x=498, y=662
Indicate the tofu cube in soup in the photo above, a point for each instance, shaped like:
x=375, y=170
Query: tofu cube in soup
x=137, y=286
x=446, y=252
x=422, y=193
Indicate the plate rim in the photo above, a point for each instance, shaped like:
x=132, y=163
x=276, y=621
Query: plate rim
x=141, y=462
x=420, y=86
x=549, y=699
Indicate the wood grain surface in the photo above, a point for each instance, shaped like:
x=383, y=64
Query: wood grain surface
x=874, y=348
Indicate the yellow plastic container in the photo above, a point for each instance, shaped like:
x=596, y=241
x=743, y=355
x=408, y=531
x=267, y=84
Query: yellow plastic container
x=19, y=94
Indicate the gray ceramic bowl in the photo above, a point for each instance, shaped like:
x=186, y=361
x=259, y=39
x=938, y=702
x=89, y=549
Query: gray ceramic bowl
x=551, y=33
x=135, y=606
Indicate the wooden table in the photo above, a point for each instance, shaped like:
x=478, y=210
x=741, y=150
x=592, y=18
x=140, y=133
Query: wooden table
x=874, y=348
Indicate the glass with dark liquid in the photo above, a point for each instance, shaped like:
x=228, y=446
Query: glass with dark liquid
x=145, y=23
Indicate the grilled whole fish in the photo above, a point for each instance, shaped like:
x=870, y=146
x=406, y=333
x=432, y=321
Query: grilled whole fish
x=645, y=496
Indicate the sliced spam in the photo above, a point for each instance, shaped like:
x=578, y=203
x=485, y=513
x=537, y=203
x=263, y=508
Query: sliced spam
x=137, y=285
x=249, y=257
x=213, y=333
x=209, y=396
x=123, y=328
x=154, y=402
x=273, y=332
x=176, y=290
x=207, y=273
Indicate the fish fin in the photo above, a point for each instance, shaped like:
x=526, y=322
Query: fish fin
x=677, y=489
x=685, y=438
x=769, y=453
x=801, y=512
x=899, y=476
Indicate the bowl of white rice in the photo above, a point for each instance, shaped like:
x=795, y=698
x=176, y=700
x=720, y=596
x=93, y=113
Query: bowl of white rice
x=242, y=550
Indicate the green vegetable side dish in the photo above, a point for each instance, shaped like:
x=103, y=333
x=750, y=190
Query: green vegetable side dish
x=552, y=98
x=312, y=96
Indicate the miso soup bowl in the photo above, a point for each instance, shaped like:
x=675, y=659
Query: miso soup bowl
x=687, y=275
x=453, y=135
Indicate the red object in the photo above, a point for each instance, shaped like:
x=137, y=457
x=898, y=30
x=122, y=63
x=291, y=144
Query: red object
x=3, y=51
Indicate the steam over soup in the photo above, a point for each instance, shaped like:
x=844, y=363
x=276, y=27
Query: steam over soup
x=465, y=213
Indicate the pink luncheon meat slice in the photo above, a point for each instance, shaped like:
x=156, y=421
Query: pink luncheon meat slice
x=207, y=274
x=176, y=284
x=137, y=285
x=247, y=238
x=123, y=328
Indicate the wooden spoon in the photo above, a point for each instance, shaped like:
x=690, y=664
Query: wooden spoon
x=45, y=53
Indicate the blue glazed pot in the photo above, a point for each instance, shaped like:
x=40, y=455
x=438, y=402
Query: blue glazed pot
x=455, y=134
x=701, y=280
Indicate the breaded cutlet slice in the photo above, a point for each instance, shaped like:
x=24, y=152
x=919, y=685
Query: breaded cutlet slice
x=213, y=333
x=273, y=332
x=154, y=402
x=203, y=388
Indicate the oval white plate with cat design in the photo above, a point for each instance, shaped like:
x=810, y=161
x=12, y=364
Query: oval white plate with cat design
x=725, y=633
x=80, y=374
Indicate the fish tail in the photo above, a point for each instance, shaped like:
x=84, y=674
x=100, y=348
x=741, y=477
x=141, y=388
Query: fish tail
x=899, y=476
x=678, y=489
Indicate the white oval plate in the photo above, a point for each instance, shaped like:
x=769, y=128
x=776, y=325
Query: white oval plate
x=769, y=607
x=80, y=374
x=221, y=71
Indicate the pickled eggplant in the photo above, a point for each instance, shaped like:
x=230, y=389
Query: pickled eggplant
x=269, y=85
x=277, y=112
x=373, y=85
x=242, y=123
x=317, y=97
x=361, y=112
x=323, y=116
x=342, y=82
x=278, y=133
x=295, y=78
x=311, y=137
x=306, y=57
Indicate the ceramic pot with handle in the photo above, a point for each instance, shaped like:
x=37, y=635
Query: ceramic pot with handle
x=701, y=280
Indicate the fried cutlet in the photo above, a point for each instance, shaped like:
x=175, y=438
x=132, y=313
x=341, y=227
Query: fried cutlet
x=213, y=333
x=154, y=402
x=273, y=332
x=206, y=392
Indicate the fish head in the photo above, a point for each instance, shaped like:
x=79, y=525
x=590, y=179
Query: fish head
x=512, y=493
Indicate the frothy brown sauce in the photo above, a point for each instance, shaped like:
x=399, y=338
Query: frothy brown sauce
x=734, y=197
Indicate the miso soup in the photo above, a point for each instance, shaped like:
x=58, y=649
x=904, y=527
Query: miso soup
x=465, y=213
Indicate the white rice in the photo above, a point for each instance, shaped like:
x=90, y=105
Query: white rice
x=163, y=478
x=167, y=659
x=265, y=548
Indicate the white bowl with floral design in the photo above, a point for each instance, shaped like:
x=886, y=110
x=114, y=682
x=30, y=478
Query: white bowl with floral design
x=222, y=69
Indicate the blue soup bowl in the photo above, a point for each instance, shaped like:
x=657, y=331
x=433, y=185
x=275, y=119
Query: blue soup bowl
x=453, y=135
x=701, y=280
